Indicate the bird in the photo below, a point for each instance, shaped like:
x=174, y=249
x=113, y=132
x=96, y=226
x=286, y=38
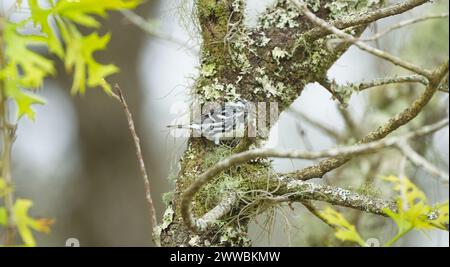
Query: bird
x=227, y=121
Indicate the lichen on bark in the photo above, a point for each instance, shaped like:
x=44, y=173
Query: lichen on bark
x=270, y=63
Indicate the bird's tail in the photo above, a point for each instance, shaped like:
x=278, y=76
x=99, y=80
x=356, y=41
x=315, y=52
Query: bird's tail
x=181, y=126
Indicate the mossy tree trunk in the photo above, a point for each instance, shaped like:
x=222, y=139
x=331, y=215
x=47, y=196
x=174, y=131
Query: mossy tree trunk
x=270, y=63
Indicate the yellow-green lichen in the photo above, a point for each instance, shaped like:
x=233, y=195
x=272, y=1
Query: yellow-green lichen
x=283, y=15
x=208, y=70
x=243, y=178
x=219, y=91
x=268, y=87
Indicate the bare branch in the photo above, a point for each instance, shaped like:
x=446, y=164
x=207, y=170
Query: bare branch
x=222, y=209
x=421, y=162
x=330, y=88
x=402, y=24
x=350, y=122
x=234, y=160
x=147, y=27
x=137, y=143
x=363, y=46
x=393, y=124
x=391, y=80
x=333, y=133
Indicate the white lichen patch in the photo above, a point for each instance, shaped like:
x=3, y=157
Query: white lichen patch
x=342, y=194
x=293, y=185
x=167, y=220
x=314, y=5
x=233, y=237
x=263, y=41
x=339, y=7
x=345, y=92
x=238, y=5
x=217, y=90
x=168, y=217
x=194, y=241
x=280, y=17
x=268, y=87
x=279, y=54
x=243, y=62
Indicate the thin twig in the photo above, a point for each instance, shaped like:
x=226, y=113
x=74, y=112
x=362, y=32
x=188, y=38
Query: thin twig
x=391, y=80
x=349, y=122
x=329, y=86
x=402, y=24
x=222, y=209
x=147, y=27
x=137, y=143
x=333, y=133
x=420, y=161
x=363, y=46
x=8, y=132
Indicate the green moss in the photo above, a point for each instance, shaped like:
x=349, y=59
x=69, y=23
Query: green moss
x=243, y=178
x=214, y=16
x=208, y=8
x=231, y=60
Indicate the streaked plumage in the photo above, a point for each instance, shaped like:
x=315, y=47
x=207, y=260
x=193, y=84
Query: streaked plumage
x=225, y=122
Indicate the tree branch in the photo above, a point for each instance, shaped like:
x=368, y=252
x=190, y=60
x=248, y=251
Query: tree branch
x=137, y=143
x=147, y=27
x=420, y=161
x=363, y=46
x=234, y=160
x=319, y=170
x=333, y=133
x=299, y=191
x=391, y=80
x=402, y=24
x=222, y=209
x=365, y=17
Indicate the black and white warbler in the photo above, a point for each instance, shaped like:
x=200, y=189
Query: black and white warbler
x=225, y=122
